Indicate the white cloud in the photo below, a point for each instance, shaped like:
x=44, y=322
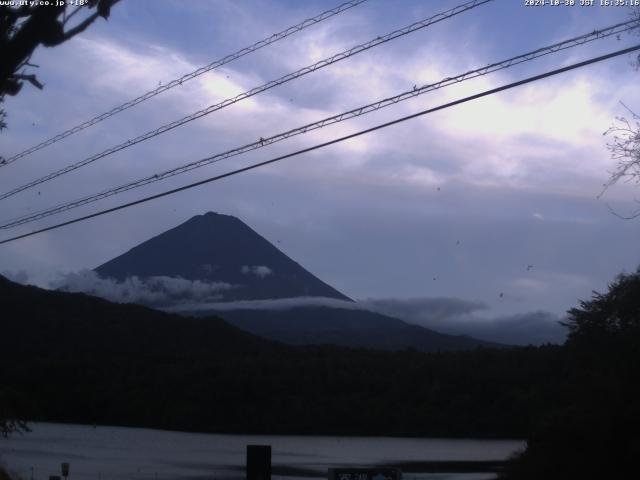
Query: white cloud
x=259, y=271
x=543, y=282
x=488, y=140
x=420, y=310
x=447, y=315
x=154, y=291
x=128, y=72
x=276, y=304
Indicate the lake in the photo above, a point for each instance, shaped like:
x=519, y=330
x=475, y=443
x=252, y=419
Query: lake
x=104, y=453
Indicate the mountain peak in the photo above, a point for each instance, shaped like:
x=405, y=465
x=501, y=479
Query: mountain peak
x=215, y=217
x=212, y=218
x=214, y=247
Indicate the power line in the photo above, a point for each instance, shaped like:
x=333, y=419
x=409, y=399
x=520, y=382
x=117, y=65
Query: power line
x=185, y=78
x=331, y=142
x=230, y=101
x=580, y=40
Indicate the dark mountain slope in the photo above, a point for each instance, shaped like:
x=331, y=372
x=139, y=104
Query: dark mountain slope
x=77, y=359
x=220, y=248
x=345, y=327
x=78, y=324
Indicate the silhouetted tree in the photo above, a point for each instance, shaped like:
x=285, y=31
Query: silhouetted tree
x=625, y=150
x=23, y=28
x=595, y=434
x=615, y=314
x=9, y=421
x=9, y=425
x=625, y=147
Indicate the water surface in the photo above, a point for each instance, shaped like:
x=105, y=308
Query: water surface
x=104, y=453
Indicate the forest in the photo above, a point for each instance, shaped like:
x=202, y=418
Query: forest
x=69, y=357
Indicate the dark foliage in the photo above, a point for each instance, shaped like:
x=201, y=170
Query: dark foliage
x=596, y=434
x=4, y=475
x=9, y=418
x=23, y=28
x=76, y=358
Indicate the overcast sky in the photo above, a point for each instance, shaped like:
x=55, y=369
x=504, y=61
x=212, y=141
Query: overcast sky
x=455, y=204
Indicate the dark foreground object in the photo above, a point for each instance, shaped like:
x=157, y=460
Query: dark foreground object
x=258, y=462
x=595, y=433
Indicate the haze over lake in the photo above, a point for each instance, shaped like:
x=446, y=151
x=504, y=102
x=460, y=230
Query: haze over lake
x=103, y=453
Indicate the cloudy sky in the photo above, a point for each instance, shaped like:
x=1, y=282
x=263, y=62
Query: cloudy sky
x=456, y=204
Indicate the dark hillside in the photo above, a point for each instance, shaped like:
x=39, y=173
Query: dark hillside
x=347, y=328
x=75, y=358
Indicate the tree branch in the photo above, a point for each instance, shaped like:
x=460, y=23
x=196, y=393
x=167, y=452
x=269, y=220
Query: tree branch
x=29, y=78
x=81, y=27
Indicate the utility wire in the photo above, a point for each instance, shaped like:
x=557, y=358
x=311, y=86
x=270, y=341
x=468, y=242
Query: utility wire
x=185, y=78
x=230, y=101
x=262, y=142
x=492, y=91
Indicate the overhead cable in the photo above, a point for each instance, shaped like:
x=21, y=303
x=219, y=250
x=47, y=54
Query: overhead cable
x=273, y=83
x=328, y=143
x=185, y=78
x=262, y=142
